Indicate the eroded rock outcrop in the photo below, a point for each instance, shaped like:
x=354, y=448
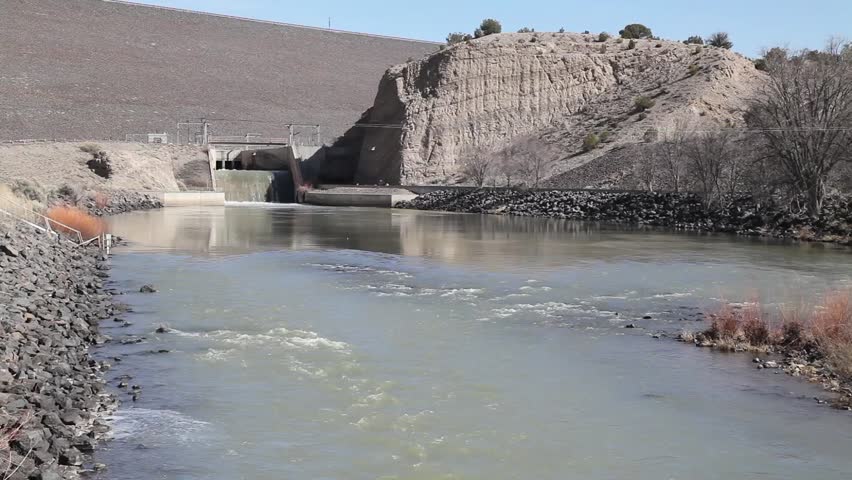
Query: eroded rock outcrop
x=542, y=93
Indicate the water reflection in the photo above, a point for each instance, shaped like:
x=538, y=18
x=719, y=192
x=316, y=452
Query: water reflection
x=500, y=242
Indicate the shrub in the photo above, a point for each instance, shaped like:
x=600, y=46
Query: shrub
x=761, y=64
x=694, y=40
x=489, y=26
x=698, y=50
x=90, y=148
x=755, y=330
x=721, y=40
x=603, y=36
x=643, y=103
x=526, y=30
x=605, y=136
x=77, y=219
x=602, y=49
x=30, y=190
x=636, y=30
x=562, y=30
x=631, y=45
x=458, y=37
x=101, y=200
x=792, y=334
x=725, y=326
x=68, y=194
x=693, y=70
x=591, y=142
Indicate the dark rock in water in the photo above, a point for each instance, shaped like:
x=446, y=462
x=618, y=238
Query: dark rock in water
x=148, y=289
x=71, y=456
x=646, y=317
x=630, y=325
x=163, y=329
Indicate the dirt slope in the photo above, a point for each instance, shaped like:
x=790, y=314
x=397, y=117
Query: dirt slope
x=136, y=167
x=543, y=93
x=85, y=69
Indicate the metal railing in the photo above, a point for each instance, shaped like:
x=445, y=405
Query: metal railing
x=24, y=214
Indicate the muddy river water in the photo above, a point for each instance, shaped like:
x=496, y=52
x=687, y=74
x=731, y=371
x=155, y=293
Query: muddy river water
x=312, y=343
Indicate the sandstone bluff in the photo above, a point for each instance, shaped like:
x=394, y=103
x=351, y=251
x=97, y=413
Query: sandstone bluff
x=542, y=93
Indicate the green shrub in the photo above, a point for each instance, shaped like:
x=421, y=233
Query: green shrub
x=489, y=26
x=721, y=40
x=562, y=30
x=761, y=64
x=694, y=40
x=636, y=30
x=698, y=50
x=526, y=30
x=591, y=142
x=693, y=70
x=643, y=103
x=603, y=36
x=605, y=136
x=631, y=45
x=458, y=37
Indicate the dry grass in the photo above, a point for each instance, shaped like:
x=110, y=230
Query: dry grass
x=8, y=468
x=831, y=327
x=825, y=330
x=77, y=219
x=101, y=200
x=18, y=206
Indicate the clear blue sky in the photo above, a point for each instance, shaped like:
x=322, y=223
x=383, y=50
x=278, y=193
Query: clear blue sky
x=753, y=24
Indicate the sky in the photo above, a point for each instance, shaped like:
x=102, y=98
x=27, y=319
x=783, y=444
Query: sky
x=752, y=24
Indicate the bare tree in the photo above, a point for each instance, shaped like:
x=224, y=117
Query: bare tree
x=803, y=117
x=710, y=157
x=671, y=154
x=509, y=166
x=646, y=167
x=536, y=167
x=476, y=167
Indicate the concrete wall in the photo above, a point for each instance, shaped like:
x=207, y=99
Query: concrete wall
x=353, y=199
x=191, y=199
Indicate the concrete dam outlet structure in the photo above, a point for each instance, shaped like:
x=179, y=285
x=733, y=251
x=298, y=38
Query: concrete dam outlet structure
x=256, y=186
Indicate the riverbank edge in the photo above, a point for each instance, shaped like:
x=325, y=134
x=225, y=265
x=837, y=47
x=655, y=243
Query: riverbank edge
x=799, y=362
x=54, y=401
x=679, y=211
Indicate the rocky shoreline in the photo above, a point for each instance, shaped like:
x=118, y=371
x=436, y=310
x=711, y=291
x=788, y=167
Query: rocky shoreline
x=682, y=211
x=53, y=398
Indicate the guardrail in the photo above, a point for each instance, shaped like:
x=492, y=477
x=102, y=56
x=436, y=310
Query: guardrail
x=24, y=214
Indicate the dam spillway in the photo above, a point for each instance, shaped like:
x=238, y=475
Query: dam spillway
x=255, y=186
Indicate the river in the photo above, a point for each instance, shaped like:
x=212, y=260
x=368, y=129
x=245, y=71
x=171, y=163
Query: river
x=313, y=343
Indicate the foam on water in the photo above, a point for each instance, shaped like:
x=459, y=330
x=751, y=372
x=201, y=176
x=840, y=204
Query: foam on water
x=145, y=426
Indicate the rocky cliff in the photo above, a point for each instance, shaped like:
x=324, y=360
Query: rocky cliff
x=542, y=93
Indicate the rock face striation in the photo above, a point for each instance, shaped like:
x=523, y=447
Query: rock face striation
x=541, y=94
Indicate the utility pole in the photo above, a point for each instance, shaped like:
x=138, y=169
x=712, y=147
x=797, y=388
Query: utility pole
x=329, y=23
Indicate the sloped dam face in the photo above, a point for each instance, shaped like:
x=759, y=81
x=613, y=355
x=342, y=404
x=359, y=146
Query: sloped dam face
x=255, y=186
